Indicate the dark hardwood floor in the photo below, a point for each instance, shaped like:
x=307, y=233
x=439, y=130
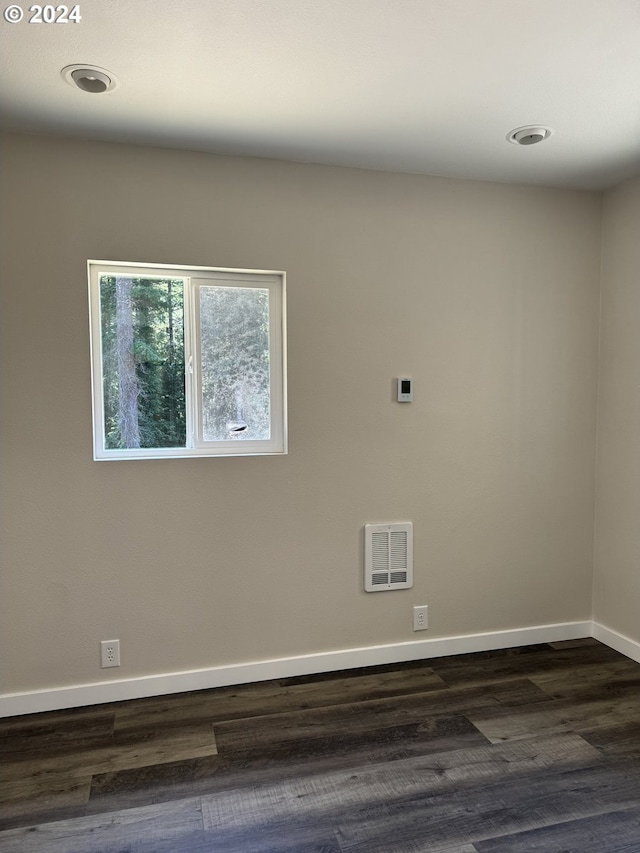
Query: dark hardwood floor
x=514, y=751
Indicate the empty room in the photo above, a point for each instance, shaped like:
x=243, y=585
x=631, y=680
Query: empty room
x=320, y=420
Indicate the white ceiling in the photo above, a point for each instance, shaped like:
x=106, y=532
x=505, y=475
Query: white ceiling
x=424, y=86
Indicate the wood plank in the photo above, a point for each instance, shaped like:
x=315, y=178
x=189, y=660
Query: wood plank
x=464, y=848
x=574, y=644
x=418, y=846
x=367, y=736
x=246, y=701
x=185, y=842
x=288, y=737
x=277, y=762
x=328, y=797
x=590, y=681
x=372, y=715
x=108, y=832
x=64, y=794
x=386, y=758
x=491, y=810
x=156, y=783
x=354, y=672
x=561, y=716
x=422, y=848
x=272, y=840
x=126, y=751
x=615, y=741
x=615, y=832
x=519, y=663
x=64, y=721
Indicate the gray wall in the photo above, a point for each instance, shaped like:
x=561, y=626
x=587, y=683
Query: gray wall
x=617, y=551
x=487, y=294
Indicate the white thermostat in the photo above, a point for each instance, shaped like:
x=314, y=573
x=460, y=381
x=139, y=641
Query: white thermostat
x=405, y=390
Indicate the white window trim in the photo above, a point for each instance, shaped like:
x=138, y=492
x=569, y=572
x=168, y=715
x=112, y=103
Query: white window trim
x=275, y=281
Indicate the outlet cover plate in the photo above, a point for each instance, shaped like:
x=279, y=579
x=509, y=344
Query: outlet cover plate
x=420, y=617
x=109, y=653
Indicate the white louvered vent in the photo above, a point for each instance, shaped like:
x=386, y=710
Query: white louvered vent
x=388, y=556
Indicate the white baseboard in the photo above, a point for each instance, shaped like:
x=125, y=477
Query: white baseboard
x=12, y=704
x=619, y=642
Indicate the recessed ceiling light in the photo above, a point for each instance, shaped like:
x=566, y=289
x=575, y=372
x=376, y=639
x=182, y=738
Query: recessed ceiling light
x=529, y=135
x=89, y=78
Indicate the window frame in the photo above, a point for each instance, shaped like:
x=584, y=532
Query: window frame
x=194, y=277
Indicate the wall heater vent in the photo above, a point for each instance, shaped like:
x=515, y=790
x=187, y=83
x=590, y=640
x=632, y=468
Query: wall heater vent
x=388, y=556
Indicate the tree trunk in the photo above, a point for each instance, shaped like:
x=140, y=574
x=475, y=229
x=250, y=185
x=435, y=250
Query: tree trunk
x=128, y=389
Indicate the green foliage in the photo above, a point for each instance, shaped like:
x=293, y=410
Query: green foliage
x=143, y=360
x=157, y=317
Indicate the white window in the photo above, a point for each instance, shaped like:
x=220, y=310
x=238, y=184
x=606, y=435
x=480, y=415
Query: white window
x=186, y=361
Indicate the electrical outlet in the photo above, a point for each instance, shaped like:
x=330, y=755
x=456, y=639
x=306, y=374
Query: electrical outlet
x=420, y=617
x=109, y=653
